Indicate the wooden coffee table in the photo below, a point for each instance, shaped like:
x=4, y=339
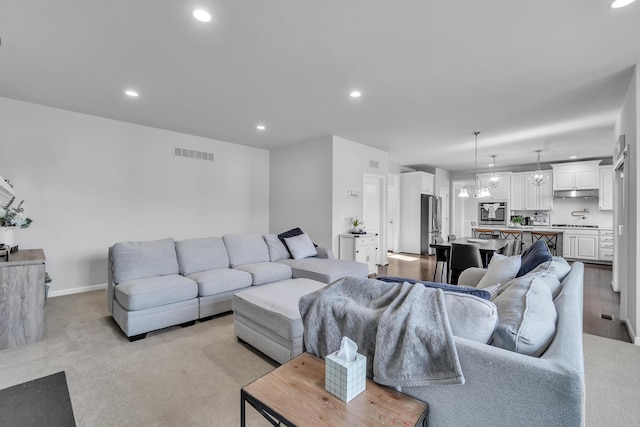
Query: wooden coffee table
x=294, y=395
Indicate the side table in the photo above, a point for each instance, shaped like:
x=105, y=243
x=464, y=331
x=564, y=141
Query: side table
x=294, y=395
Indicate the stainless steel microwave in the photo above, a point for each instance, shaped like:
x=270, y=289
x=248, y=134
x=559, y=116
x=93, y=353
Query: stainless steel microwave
x=492, y=213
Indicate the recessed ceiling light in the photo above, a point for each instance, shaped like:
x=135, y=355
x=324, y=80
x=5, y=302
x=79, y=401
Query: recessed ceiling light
x=261, y=127
x=202, y=15
x=131, y=93
x=573, y=157
x=616, y=4
x=355, y=94
x=490, y=165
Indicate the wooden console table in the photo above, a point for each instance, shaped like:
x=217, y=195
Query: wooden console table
x=22, y=298
x=294, y=395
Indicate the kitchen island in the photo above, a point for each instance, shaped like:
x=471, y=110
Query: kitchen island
x=587, y=243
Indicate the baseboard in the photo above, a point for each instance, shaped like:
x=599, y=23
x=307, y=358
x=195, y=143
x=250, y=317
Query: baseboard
x=634, y=338
x=53, y=294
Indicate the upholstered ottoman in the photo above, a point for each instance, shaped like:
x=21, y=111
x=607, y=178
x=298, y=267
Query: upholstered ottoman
x=268, y=318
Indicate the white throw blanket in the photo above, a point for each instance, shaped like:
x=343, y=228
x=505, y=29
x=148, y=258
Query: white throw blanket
x=402, y=329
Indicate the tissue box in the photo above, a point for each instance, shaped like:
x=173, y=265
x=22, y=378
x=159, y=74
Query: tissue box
x=345, y=380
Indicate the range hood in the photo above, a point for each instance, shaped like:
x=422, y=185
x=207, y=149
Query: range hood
x=585, y=194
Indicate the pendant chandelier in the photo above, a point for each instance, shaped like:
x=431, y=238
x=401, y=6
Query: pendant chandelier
x=538, y=178
x=479, y=191
x=494, y=179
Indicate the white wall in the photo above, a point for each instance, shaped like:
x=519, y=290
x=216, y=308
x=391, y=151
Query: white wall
x=301, y=189
x=89, y=182
x=627, y=125
x=350, y=162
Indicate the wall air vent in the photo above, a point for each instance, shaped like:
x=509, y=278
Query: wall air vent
x=373, y=164
x=192, y=154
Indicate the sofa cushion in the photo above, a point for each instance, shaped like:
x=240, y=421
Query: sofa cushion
x=444, y=286
x=526, y=316
x=301, y=246
x=325, y=270
x=149, y=292
x=246, y=248
x=221, y=280
x=471, y=317
x=535, y=255
x=203, y=254
x=501, y=269
x=266, y=272
x=277, y=249
x=137, y=260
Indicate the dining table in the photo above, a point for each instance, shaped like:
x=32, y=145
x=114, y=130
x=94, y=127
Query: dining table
x=487, y=247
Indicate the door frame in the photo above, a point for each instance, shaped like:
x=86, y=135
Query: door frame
x=382, y=235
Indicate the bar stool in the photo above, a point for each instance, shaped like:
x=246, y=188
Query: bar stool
x=442, y=256
x=549, y=237
x=483, y=233
x=516, y=235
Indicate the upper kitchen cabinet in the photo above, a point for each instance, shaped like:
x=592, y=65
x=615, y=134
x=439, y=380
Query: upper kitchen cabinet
x=526, y=196
x=576, y=175
x=605, y=193
x=503, y=190
x=420, y=182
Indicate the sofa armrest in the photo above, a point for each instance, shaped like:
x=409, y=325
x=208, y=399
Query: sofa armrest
x=471, y=276
x=325, y=253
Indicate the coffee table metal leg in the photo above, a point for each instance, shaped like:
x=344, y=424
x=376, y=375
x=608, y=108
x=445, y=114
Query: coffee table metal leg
x=242, y=419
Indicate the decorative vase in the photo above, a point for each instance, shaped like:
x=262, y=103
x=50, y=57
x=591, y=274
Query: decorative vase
x=7, y=236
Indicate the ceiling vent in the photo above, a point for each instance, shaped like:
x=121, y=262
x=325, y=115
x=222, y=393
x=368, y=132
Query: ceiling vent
x=373, y=164
x=192, y=154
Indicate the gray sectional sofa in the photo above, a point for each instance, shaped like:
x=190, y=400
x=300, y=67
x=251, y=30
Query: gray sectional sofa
x=157, y=284
x=530, y=372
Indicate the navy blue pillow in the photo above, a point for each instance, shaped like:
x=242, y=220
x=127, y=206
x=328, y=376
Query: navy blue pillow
x=537, y=253
x=444, y=286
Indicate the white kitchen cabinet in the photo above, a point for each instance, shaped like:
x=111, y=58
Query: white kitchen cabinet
x=580, y=244
x=503, y=190
x=606, y=244
x=419, y=182
x=576, y=175
x=526, y=196
x=605, y=190
x=361, y=248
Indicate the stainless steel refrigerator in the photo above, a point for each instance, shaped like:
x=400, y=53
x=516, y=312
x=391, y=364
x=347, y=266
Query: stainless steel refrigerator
x=430, y=222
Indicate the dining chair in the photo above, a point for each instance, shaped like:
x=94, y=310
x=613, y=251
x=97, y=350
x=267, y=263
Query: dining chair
x=549, y=237
x=442, y=256
x=451, y=237
x=463, y=256
x=516, y=236
x=507, y=250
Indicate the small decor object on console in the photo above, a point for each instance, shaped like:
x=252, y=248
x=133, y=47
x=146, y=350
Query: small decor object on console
x=357, y=226
x=345, y=374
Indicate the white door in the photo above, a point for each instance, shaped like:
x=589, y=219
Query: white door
x=444, y=212
x=393, y=212
x=373, y=211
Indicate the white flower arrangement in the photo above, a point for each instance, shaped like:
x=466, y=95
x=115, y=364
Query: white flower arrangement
x=14, y=217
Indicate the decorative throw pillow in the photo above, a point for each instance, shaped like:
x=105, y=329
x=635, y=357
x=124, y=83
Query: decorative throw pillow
x=558, y=266
x=501, y=269
x=471, y=317
x=291, y=233
x=301, y=246
x=526, y=316
x=444, y=286
x=537, y=253
x=277, y=249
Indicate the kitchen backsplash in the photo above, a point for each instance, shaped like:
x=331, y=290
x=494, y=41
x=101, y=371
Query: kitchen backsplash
x=562, y=208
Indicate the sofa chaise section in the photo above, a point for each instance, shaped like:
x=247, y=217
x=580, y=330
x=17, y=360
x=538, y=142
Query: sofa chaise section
x=146, y=291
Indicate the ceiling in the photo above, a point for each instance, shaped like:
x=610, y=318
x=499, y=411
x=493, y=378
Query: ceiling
x=539, y=75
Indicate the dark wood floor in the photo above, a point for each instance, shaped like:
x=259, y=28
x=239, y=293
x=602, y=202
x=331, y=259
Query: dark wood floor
x=600, y=302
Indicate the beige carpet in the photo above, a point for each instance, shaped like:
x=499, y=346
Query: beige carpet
x=192, y=376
